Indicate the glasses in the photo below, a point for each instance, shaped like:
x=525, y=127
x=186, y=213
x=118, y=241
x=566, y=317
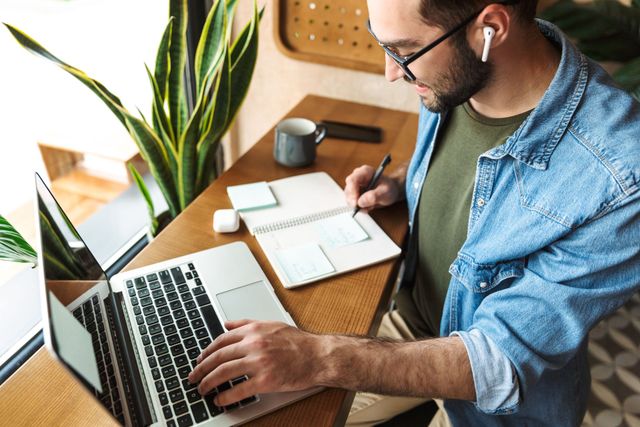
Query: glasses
x=404, y=61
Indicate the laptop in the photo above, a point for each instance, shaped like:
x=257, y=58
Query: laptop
x=132, y=339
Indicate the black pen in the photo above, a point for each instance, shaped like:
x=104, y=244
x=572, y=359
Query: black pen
x=374, y=180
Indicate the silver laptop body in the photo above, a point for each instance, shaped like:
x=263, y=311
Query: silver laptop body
x=132, y=339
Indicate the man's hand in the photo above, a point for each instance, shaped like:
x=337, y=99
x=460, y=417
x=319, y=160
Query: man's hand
x=274, y=355
x=389, y=190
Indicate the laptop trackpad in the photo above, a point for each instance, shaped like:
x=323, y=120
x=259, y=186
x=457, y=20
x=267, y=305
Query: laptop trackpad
x=252, y=301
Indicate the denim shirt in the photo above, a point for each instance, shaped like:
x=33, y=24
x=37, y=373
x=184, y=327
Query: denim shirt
x=553, y=245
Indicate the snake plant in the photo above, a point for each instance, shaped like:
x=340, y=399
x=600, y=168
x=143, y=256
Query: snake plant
x=13, y=247
x=179, y=146
x=605, y=30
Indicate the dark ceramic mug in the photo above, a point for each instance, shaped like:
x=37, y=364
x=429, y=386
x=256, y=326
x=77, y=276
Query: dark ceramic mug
x=296, y=140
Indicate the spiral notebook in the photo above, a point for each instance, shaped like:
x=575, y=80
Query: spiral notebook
x=310, y=234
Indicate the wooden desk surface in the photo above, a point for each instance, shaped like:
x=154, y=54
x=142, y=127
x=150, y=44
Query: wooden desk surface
x=42, y=393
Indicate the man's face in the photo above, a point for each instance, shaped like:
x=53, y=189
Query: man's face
x=446, y=76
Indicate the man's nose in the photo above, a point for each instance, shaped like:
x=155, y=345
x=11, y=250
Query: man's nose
x=392, y=71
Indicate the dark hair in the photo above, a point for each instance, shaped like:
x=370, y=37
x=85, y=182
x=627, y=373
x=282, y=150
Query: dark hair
x=448, y=13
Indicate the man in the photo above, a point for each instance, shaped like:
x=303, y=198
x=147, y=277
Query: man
x=525, y=227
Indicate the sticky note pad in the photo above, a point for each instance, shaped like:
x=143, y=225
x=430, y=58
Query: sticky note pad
x=340, y=230
x=305, y=262
x=251, y=196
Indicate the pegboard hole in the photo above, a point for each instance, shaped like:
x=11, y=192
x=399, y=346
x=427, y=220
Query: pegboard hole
x=312, y=6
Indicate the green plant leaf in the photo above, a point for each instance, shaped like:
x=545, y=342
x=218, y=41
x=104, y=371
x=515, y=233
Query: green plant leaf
x=241, y=43
x=13, y=247
x=624, y=18
x=161, y=123
x=162, y=60
x=178, y=58
x=153, y=221
x=212, y=42
x=611, y=48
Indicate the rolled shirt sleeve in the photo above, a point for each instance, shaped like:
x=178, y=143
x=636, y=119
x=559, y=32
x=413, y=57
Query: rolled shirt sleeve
x=494, y=376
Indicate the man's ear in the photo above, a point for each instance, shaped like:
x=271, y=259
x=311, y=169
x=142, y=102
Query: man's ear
x=497, y=18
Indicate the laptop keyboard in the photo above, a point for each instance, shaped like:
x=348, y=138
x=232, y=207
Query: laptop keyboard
x=91, y=316
x=177, y=321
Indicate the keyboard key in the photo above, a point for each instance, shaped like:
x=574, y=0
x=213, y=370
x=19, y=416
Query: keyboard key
x=183, y=288
x=148, y=310
x=140, y=320
x=134, y=301
x=176, y=395
x=190, y=305
x=173, y=339
x=186, y=385
x=180, y=407
x=188, y=276
x=169, y=288
x=213, y=409
x=197, y=323
x=199, y=412
x=193, y=314
x=165, y=360
x=185, y=421
x=172, y=383
x=154, y=285
x=140, y=283
x=211, y=319
x=132, y=292
x=199, y=290
x=168, y=371
x=166, y=320
x=129, y=283
x=155, y=372
x=77, y=313
x=153, y=277
x=182, y=323
x=175, y=305
x=178, y=278
x=155, y=329
x=148, y=350
x=180, y=360
x=152, y=320
x=165, y=277
x=161, y=301
x=163, y=311
x=178, y=314
x=159, y=386
x=232, y=406
x=146, y=301
x=236, y=381
x=145, y=340
x=223, y=387
x=166, y=411
x=190, y=342
x=136, y=310
x=157, y=339
x=171, y=423
x=161, y=349
x=186, y=332
x=204, y=343
x=202, y=333
x=153, y=362
x=193, y=396
x=186, y=296
x=191, y=266
x=193, y=353
x=170, y=329
x=143, y=293
x=157, y=293
x=172, y=296
x=198, y=282
x=177, y=350
x=163, y=399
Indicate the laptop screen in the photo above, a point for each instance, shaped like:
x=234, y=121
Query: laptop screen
x=75, y=286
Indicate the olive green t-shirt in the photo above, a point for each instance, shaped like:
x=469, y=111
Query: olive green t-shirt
x=443, y=211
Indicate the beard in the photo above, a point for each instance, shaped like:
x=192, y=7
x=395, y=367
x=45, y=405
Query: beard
x=465, y=76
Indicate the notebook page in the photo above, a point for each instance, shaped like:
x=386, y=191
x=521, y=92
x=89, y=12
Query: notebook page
x=298, y=196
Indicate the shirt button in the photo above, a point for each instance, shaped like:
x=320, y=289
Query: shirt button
x=481, y=202
x=483, y=285
x=416, y=185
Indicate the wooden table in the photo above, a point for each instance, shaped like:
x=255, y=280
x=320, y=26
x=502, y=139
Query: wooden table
x=42, y=393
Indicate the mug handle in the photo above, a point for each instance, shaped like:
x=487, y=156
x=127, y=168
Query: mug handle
x=321, y=132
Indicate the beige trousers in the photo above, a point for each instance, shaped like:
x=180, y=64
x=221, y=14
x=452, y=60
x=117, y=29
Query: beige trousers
x=369, y=409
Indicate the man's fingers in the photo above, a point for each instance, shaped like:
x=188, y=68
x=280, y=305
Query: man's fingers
x=223, y=340
x=237, y=393
x=223, y=373
x=358, y=179
x=211, y=362
x=234, y=324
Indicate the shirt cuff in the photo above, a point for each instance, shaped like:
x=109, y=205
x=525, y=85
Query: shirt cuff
x=495, y=379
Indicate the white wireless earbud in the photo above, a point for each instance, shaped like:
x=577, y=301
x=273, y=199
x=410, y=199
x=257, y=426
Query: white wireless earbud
x=489, y=32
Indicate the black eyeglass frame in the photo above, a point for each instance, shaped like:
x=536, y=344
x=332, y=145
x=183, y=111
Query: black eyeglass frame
x=404, y=61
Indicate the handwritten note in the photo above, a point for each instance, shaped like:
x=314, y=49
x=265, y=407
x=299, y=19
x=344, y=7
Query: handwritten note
x=340, y=230
x=305, y=262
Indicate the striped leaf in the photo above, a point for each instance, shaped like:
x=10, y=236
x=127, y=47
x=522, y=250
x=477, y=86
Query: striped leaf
x=162, y=60
x=153, y=221
x=212, y=42
x=59, y=259
x=13, y=247
x=177, y=61
x=161, y=123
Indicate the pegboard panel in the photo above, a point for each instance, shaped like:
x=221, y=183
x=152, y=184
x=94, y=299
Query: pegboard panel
x=327, y=32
